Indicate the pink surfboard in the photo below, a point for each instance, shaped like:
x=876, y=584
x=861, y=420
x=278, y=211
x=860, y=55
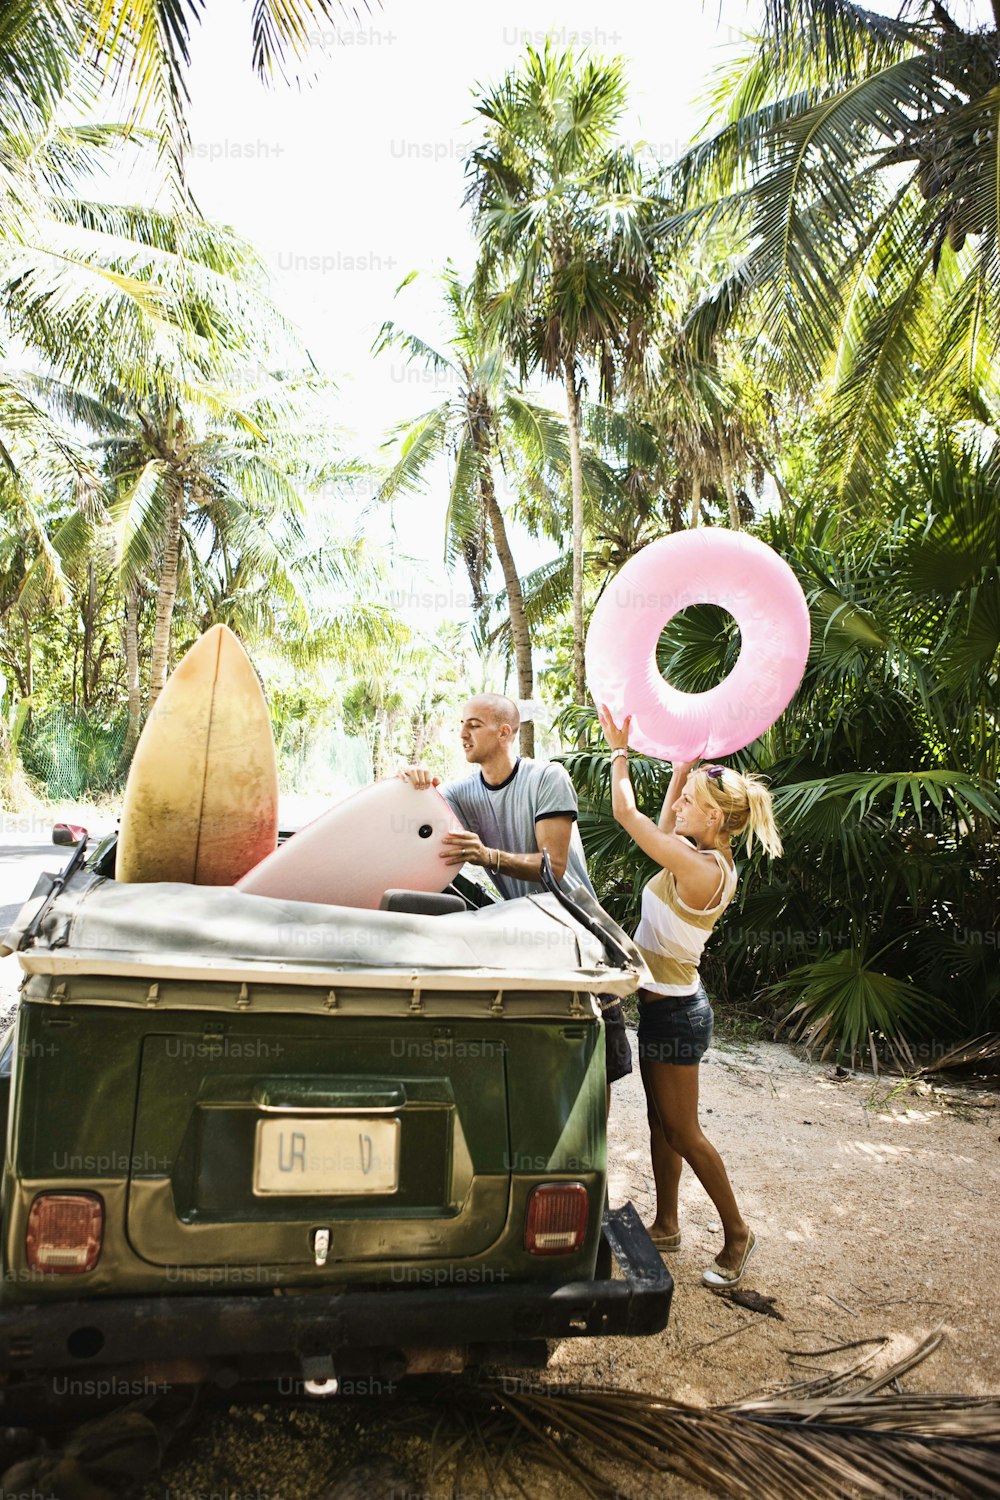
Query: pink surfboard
x=387, y=835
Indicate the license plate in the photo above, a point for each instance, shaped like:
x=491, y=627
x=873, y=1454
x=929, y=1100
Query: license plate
x=310, y=1155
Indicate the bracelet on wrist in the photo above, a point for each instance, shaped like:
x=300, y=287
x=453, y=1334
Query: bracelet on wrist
x=619, y=751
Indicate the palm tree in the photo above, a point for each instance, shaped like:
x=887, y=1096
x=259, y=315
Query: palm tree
x=109, y=303
x=219, y=503
x=486, y=421
x=709, y=419
x=566, y=273
x=710, y=411
x=858, y=156
x=138, y=327
x=145, y=44
x=143, y=324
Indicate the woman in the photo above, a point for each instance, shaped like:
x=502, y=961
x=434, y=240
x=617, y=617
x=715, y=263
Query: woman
x=702, y=811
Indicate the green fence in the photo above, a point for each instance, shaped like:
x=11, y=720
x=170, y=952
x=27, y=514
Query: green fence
x=73, y=755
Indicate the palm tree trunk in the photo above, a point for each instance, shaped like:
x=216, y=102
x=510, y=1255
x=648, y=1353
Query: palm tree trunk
x=696, y=498
x=787, y=503
x=576, y=477
x=515, y=602
x=166, y=593
x=90, y=669
x=727, y=479
x=29, y=675
x=132, y=674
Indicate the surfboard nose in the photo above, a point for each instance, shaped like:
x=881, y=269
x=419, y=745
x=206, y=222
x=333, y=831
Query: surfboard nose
x=383, y=837
x=201, y=800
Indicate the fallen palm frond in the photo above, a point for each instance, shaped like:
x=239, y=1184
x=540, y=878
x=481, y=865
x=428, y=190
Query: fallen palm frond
x=811, y=1441
x=967, y=1055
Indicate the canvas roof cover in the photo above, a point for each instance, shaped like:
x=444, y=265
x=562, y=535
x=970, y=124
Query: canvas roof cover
x=163, y=930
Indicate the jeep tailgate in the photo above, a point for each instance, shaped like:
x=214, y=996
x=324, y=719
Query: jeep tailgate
x=396, y=1145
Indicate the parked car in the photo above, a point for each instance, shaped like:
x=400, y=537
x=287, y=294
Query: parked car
x=255, y=1139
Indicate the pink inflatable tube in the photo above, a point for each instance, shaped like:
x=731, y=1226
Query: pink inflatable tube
x=703, y=566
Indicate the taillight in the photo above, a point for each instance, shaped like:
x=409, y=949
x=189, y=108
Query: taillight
x=556, y=1221
x=65, y=1232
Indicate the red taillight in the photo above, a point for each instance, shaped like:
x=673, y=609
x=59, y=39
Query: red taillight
x=65, y=1232
x=556, y=1221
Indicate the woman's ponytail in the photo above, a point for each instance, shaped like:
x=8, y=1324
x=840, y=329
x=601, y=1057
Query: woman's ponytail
x=760, y=824
x=745, y=802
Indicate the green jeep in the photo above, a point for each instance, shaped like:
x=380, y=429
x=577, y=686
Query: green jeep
x=250, y=1139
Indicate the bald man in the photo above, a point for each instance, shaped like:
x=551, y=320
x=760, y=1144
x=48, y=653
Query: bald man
x=514, y=810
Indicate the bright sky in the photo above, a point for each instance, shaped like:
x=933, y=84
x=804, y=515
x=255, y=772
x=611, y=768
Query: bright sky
x=349, y=184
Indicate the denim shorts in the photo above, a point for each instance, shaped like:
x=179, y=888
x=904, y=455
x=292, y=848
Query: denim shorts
x=674, y=1029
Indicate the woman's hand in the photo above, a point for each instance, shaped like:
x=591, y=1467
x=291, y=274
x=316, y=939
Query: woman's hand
x=617, y=738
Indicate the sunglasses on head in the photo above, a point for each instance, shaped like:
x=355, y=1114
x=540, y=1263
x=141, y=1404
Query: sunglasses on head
x=714, y=773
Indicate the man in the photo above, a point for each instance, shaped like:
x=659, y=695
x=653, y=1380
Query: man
x=515, y=810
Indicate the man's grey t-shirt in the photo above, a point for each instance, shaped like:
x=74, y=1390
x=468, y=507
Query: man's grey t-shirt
x=504, y=817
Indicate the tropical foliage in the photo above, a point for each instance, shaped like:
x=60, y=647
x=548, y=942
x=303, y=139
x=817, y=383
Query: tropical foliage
x=156, y=454
x=856, y=156
x=487, y=427
x=877, y=927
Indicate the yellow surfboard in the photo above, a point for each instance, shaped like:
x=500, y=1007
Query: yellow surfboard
x=201, y=800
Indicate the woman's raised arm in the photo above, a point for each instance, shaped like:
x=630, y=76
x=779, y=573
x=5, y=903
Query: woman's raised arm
x=681, y=771
x=692, y=872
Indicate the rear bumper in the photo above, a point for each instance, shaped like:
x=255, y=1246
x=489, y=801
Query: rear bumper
x=171, y=1340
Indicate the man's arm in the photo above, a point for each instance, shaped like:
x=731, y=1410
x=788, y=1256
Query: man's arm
x=552, y=835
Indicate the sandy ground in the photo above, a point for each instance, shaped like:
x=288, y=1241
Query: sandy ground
x=875, y=1204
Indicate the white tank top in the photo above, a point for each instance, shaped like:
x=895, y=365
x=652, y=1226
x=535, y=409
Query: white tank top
x=672, y=935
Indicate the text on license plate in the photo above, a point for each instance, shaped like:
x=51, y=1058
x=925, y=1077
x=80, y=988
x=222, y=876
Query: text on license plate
x=310, y=1155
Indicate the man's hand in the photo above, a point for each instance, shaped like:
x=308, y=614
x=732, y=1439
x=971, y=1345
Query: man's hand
x=467, y=848
x=419, y=776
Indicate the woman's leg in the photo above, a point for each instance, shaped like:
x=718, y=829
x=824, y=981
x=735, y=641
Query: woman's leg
x=673, y=1091
x=666, y=1165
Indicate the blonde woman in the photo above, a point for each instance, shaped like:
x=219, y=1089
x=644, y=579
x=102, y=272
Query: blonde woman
x=703, y=810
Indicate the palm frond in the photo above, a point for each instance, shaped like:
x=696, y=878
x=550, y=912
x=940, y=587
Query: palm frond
x=423, y=441
x=837, y=38
x=913, y=793
x=390, y=336
x=836, y=1434
x=138, y=514
x=145, y=46
x=843, y=1004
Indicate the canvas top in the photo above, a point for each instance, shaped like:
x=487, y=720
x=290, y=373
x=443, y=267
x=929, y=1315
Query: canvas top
x=172, y=931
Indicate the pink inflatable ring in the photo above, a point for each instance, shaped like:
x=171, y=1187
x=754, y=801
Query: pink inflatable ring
x=703, y=566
